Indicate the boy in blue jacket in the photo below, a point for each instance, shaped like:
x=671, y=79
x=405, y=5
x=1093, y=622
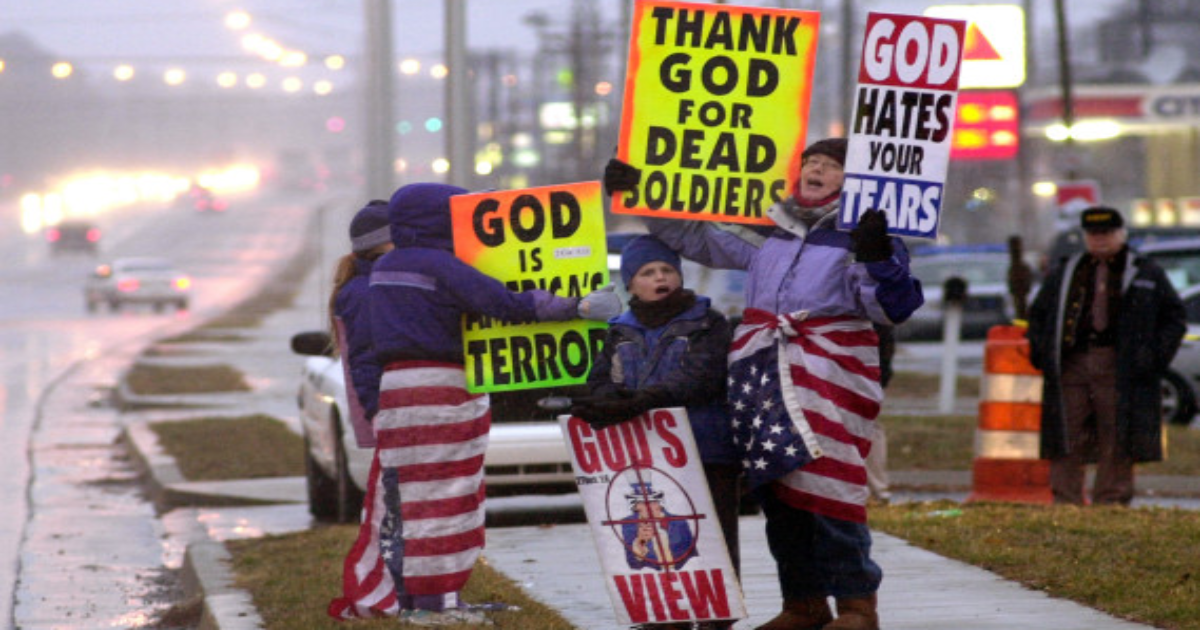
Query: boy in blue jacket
x=668, y=350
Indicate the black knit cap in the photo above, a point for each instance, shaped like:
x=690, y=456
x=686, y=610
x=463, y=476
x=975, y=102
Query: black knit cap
x=1101, y=218
x=832, y=147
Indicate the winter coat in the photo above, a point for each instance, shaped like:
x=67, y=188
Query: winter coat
x=420, y=291
x=798, y=269
x=1150, y=324
x=350, y=306
x=686, y=356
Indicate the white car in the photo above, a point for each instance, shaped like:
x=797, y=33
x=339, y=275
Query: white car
x=153, y=281
x=526, y=450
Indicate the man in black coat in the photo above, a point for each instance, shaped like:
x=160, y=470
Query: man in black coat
x=1103, y=329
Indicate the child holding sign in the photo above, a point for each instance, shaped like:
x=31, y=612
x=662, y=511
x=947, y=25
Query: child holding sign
x=812, y=294
x=431, y=432
x=668, y=350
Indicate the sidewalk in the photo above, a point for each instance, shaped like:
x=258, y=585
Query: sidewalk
x=921, y=591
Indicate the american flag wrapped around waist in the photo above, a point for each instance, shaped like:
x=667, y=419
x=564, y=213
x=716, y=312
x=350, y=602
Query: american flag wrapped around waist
x=804, y=393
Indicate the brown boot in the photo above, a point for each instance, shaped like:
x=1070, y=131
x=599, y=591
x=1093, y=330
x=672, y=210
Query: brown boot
x=801, y=614
x=856, y=613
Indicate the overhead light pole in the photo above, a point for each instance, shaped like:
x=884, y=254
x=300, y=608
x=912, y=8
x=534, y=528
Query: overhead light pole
x=459, y=136
x=380, y=88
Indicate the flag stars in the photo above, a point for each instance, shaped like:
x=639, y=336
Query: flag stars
x=760, y=464
x=768, y=446
x=747, y=388
x=776, y=429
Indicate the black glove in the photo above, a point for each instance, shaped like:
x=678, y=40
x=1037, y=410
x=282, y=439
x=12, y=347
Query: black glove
x=620, y=176
x=621, y=406
x=870, y=239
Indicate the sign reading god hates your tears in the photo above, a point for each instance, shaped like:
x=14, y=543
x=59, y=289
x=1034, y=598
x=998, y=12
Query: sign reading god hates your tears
x=652, y=519
x=716, y=109
x=903, y=122
x=550, y=238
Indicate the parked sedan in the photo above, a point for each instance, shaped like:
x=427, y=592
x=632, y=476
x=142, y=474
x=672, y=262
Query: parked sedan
x=988, y=302
x=153, y=281
x=526, y=451
x=1181, y=386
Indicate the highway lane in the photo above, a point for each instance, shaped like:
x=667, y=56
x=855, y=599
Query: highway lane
x=62, y=487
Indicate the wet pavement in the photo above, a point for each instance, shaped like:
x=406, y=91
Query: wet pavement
x=922, y=591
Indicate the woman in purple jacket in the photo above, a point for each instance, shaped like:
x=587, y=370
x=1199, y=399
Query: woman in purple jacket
x=812, y=294
x=431, y=432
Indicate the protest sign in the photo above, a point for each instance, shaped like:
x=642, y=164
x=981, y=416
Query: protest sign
x=549, y=238
x=902, y=123
x=652, y=519
x=716, y=109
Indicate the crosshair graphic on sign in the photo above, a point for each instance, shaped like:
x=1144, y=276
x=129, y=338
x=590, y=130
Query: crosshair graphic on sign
x=652, y=536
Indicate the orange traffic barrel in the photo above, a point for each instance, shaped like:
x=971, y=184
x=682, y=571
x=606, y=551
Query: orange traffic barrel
x=1007, y=467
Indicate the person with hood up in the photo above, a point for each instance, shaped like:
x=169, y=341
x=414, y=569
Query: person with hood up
x=812, y=294
x=431, y=432
x=668, y=350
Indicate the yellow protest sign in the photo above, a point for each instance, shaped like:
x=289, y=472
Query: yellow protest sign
x=716, y=109
x=549, y=238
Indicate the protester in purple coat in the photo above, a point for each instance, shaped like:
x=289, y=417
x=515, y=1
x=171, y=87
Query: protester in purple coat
x=431, y=432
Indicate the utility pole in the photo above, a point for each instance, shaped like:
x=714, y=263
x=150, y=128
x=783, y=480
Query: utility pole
x=459, y=127
x=1064, y=79
x=379, y=140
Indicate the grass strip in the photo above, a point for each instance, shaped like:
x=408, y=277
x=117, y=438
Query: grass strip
x=158, y=380
x=1141, y=564
x=243, y=447
x=293, y=577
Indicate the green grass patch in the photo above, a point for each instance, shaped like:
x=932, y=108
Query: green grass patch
x=156, y=380
x=244, y=447
x=293, y=577
x=929, y=442
x=1141, y=564
x=925, y=386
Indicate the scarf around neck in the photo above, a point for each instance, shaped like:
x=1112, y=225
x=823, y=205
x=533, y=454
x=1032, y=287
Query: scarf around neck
x=659, y=312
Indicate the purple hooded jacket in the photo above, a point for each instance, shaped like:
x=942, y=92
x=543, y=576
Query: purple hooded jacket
x=420, y=290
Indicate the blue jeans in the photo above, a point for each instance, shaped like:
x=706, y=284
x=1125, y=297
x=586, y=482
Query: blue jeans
x=818, y=556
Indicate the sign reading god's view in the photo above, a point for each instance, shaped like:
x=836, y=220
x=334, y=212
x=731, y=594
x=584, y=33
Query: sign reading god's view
x=716, y=109
x=549, y=238
x=903, y=121
x=651, y=516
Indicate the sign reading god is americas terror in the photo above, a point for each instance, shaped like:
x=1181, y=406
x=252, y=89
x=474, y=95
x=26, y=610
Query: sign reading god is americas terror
x=716, y=109
x=550, y=238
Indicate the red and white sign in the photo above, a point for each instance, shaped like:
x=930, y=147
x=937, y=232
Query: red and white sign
x=903, y=122
x=1073, y=197
x=652, y=518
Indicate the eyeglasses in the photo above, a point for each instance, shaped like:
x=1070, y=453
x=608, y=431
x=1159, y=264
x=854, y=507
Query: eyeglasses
x=824, y=163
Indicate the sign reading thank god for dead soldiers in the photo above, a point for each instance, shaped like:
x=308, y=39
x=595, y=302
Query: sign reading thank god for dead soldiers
x=716, y=109
x=652, y=519
x=903, y=122
x=550, y=238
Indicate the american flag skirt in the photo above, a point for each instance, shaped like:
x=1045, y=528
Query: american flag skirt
x=804, y=394
x=431, y=435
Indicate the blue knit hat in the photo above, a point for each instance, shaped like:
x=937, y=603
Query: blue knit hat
x=642, y=250
x=370, y=228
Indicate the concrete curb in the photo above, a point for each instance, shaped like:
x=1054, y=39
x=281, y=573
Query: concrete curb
x=206, y=574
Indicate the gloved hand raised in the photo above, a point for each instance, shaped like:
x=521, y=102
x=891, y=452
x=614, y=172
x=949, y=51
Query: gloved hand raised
x=870, y=239
x=601, y=305
x=620, y=176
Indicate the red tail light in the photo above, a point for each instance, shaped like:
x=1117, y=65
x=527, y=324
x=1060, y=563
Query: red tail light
x=53, y=235
x=93, y=235
x=127, y=285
